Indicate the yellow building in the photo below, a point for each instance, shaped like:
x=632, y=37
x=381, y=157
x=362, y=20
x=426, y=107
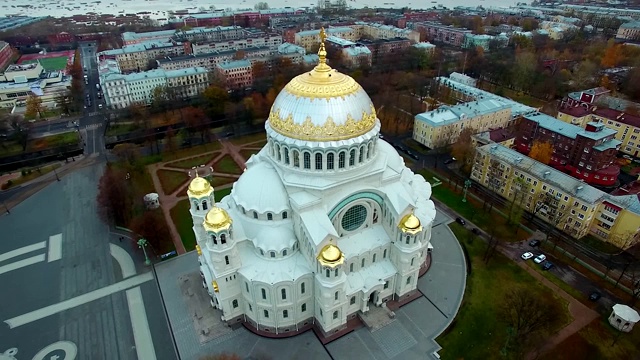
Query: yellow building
x=441, y=127
x=626, y=125
x=310, y=39
x=570, y=205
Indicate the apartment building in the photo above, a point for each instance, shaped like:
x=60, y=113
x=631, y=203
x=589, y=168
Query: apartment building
x=218, y=33
x=561, y=200
x=426, y=46
x=271, y=41
x=381, y=31
x=445, y=34
x=6, y=54
x=464, y=92
x=122, y=90
x=629, y=32
x=587, y=154
x=137, y=57
x=353, y=55
x=237, y=74
x=130, y=38
x=211, y=60
x=310, y=39
x=441, y=127
x=382, y=47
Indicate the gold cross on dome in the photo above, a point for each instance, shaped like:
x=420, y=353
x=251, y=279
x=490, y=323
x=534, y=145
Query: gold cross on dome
x=323, y=35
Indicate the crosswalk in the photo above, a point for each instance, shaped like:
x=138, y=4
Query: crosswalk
x=94, y=113
x=93, y=126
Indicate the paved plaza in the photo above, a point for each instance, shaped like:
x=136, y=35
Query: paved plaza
x=410, y=336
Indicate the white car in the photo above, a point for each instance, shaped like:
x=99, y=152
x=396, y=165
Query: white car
x=540, y=258
x=527, y=256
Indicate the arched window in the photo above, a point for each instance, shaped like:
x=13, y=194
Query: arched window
x=370, y=150
x=273, y=254
x=286, y=155
x=384, y=254
x=215, y=241
x=409, y=280
x=374, y=257
x=335, y=272
x=335, y=315
x=361, y=155
x=335, y=296
x=195, y=203
x=296, y=158
x=255, y=215
x=303, y=307
x=234, y=304
x=261, y=252
x=352, y=157
x=264, y=294
x=362, y=263
x=278, y=154
x=327, y=273
x=285, y=314
x=284, y=215
x=269, y=216
x=318, y=161
x=412, y=261
x=330, y=161
x=307, y=160
x=283, y=292
x=408, y=239
x=223, y=239
x=351, y=267
x=284, y=252
x=204, y=204
x=302, y=288
x=226, y=260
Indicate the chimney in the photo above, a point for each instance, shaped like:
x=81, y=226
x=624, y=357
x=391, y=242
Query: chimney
x=546, y=174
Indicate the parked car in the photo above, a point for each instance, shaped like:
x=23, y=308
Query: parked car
x=594, y=296
x=412, y=155
x=449, y=161
x=461, y=221
x=476, y=231
x=527, y=256
x=534, y=243
x=540, y=258
x=547, y=265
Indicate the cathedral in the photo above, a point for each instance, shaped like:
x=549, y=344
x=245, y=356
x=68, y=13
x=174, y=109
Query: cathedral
x=325, y=222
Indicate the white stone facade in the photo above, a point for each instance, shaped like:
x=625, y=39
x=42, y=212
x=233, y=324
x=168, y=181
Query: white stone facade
x=314, y=231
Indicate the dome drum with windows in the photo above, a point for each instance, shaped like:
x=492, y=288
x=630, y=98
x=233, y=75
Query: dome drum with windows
x=322, y=105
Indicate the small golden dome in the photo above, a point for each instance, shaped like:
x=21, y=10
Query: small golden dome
x=410, y=224
x=199, y=187
x=217, y=219
x=330, y=255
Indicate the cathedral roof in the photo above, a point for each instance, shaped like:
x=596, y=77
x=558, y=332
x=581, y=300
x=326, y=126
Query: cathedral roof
x=217, y=219
x=260, y=188
x=199, y=187
x=322, y=105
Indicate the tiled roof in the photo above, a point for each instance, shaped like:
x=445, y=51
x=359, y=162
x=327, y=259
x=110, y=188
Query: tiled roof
x=566, y=129
x=619, y=116
x=575, y=111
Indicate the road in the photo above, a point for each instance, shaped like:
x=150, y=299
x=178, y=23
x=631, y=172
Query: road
x=92, y=123
x=62, y=288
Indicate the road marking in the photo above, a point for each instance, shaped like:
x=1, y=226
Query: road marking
x=140, y=325
x=22, y=263
x=124, y=259
x=70, y=351
x=78, y=300
x=55, y=248
x=22, y=250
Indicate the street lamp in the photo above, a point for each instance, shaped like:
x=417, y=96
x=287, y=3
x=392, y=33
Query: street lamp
x=143, y=243
x=467, y=184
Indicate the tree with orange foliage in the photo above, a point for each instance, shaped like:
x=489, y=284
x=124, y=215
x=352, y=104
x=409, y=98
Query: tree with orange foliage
x=541, y=151
x=152, y=226
x=612, y=56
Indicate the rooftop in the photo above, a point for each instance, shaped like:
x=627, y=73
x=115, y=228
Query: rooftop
x=446, y=115
x=331, y=30
x=358, y=50
x=424, y=45
x=565, y=129
x=517, y=109
x=339, y=41
x=235, y=64
x=618, y=116
x=185, y=72
x=575, y=111
x=288, y=48
x=631, y=25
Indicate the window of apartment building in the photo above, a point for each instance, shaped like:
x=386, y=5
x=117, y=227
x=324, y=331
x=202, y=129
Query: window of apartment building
x=581, y=216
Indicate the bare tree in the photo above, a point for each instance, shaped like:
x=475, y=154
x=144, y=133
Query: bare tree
x=528, y=316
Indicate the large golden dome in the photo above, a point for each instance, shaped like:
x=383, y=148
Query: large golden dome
x=410, y=224
x=322, y=105
x=330, y=255
x=217, y=219
x=199, y=187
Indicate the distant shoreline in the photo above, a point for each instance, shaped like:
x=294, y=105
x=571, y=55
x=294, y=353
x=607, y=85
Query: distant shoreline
x=160, y=9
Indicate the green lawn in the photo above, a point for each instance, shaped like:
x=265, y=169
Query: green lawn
x=478, y=331
x=227, y=165
x=171, y=180
x=472, y=210
x=599, y=245
x=195, y=161
x=51, y=64
x=121, y=129
x=182, y=219
x=259, y=139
